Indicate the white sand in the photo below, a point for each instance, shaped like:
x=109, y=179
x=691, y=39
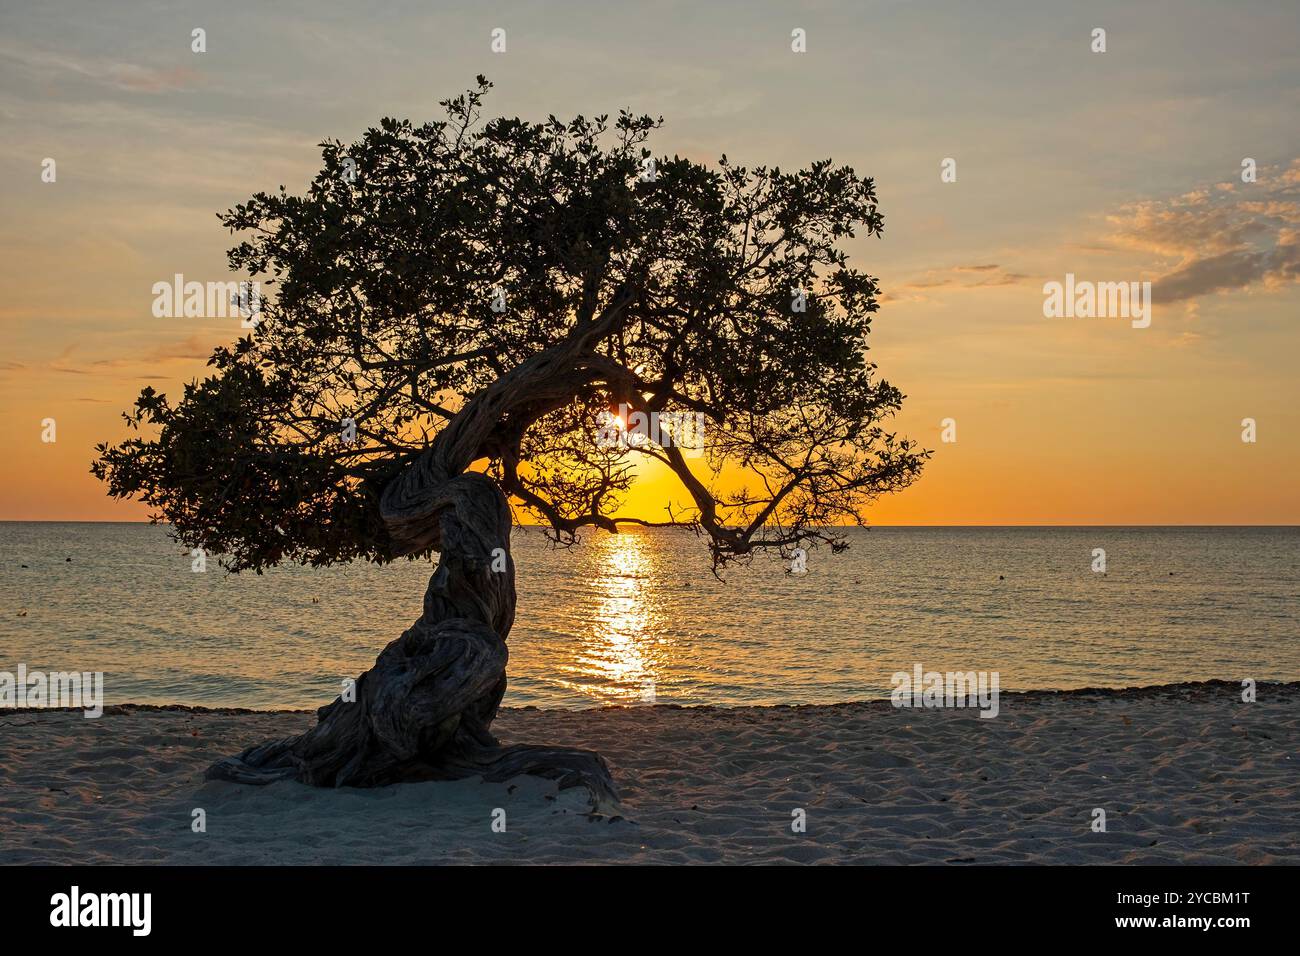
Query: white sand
x=1186, y=774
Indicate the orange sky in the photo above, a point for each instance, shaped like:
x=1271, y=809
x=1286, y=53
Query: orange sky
x=1123, y=166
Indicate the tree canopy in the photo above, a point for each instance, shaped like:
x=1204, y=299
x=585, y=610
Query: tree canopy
x=486, y=293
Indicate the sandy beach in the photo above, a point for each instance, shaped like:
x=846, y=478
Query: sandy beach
x=1186, y=774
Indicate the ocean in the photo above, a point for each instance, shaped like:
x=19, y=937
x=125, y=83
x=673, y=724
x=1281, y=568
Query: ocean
x=638, y=617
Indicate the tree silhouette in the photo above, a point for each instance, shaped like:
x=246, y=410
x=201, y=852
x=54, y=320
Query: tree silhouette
x=458, y=314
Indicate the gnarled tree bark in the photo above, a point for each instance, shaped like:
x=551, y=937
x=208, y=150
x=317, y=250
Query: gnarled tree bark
x=423, y=711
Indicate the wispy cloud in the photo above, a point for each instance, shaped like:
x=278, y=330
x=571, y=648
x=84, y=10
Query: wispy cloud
x=193, y=348
x=128, y=77
x=958, y=278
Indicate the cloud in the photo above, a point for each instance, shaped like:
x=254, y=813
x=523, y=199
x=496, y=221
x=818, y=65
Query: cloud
x=128, y=77
x=960, y=278
x=1219, y=238
x=191, y=350
x=1228, y=271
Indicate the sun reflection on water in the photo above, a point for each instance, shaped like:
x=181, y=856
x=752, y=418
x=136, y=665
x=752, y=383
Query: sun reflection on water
x=618, y=659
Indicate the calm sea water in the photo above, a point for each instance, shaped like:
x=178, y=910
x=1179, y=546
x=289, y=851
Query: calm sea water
x=621, y=619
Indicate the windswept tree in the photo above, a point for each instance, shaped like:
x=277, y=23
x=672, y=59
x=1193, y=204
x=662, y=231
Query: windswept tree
x=458, y=313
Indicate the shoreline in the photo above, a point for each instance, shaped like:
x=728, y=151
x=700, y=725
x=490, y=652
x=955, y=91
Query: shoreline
x=1186, y=774
x=1136, y=691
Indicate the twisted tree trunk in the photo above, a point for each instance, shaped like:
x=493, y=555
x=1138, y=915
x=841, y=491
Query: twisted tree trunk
x=423, y=711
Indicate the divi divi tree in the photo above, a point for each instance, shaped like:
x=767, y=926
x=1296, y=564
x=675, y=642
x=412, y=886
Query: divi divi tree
x=455, y=314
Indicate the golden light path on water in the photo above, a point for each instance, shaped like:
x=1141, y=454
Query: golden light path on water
x=619, y=657
x=617, y=618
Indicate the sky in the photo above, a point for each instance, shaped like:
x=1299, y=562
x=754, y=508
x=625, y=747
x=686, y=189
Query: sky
x=1117, y=166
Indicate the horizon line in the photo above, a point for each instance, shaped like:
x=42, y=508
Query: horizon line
x=867, y=527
